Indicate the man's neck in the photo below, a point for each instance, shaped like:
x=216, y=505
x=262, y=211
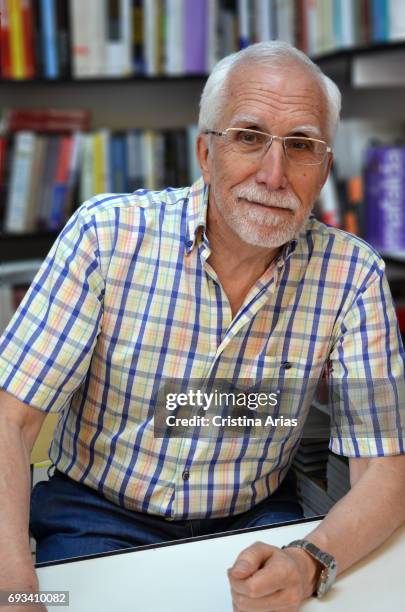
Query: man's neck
x=233, y=258
x=237, y=264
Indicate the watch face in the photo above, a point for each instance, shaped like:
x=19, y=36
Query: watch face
x=326, y=579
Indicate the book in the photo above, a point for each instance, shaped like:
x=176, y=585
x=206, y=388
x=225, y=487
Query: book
x=348, y=38
x=379, y=20
x=195, y=34
x=5, y=42
x=47, y=10
x=244, y=23
x=285, y=20
x=60, y=184
x=28, y=38
x=46, y=119
x=151, y=36
x=212, y=44
x=101, y=164
x=177, y=35
x=18, y=67
x=384, y=198
x=63, y=38
x=118, y=164
x=396, y=16
x=324, y=26
x=36, y=181
x=17, y=211
x=135, y=160
x=264, y=20
x=118, y=38
x=86, y=189
x=51, y=156
x=88, y=39
x=137, y=37
x=227, y=28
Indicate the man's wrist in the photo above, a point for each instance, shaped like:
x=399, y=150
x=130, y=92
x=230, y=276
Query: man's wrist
x=310, y=567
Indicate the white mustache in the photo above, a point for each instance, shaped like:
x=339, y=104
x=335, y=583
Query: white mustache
x=273, y=199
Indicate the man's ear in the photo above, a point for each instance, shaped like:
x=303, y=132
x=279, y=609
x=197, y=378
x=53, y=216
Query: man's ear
x=202, y=152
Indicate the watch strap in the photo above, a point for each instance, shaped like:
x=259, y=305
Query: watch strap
x=328, y=573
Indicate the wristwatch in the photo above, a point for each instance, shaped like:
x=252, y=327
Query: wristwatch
x=328, y=574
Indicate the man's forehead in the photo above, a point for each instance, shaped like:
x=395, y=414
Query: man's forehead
x=292, y=90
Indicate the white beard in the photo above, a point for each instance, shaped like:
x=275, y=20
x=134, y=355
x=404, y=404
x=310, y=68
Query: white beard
x=260, y=227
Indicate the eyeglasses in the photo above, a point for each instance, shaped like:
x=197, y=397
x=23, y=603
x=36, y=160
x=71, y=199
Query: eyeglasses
x=254, y=144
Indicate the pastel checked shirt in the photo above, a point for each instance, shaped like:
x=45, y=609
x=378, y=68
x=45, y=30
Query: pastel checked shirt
x=126, y=298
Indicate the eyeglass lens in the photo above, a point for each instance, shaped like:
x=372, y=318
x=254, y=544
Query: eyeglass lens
x=298, y=149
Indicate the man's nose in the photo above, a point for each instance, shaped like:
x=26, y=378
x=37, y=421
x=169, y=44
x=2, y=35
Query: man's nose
x=272, y=170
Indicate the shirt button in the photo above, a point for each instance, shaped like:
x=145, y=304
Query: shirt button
x=186, y=475
x=286, y=365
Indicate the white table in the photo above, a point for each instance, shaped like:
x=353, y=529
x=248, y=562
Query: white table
x=191, y=576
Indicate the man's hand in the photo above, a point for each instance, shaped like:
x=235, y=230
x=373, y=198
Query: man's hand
x=265, y=577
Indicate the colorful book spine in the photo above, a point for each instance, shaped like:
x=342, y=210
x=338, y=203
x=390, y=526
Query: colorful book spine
x=46, y=119
x=195, y=36
x=49, y=39
x=137, y=37
x=28, y=38
x=5, y=42
x=244, y=23
x=396, y=12
x=379, y=20
x=118, y=164
x=118, y=38
x=385, y=199
x=175, y=37
x=19, y=188
x=18, y=68
x=60, y=186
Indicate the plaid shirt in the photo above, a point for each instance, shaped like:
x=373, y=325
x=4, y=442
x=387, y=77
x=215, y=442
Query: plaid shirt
x=126, y=298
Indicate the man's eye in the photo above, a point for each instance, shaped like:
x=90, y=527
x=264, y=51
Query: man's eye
x=300, y=144
x=249, y=138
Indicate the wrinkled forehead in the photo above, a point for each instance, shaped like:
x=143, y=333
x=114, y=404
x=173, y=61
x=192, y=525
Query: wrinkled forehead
x=279, y=91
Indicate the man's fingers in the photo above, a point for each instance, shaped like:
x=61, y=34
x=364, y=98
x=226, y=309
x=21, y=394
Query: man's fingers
x=270, y=578
x=280, y=600
x=250, y=560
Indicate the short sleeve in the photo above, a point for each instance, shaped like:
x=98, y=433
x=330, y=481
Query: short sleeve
x=46, y=349
x=367, y=375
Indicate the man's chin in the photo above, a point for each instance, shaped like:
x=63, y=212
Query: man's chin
x=271, y=239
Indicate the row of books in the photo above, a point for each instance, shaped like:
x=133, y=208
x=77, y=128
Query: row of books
x=118, y=38
x=50, y=174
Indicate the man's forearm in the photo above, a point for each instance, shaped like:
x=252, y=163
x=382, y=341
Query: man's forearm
x=16, y=566
x=365, y=517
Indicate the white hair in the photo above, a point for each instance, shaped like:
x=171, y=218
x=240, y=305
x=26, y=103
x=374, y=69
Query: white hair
x=272, y=53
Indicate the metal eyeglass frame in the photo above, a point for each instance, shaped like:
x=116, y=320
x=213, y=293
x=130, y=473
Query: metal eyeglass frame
x=272, y=137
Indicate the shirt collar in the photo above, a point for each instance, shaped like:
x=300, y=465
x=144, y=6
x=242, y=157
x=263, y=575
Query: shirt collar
x=197, y=218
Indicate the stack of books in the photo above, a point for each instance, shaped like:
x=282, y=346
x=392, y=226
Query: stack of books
x=310, y=464
x=338, y=476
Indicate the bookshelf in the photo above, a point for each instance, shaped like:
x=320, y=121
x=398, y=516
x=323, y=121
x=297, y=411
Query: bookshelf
x=358, y=57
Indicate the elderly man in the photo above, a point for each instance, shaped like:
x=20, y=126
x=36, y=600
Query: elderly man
x=233, y=279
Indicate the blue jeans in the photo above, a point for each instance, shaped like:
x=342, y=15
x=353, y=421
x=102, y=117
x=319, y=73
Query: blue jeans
x=69, y=519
